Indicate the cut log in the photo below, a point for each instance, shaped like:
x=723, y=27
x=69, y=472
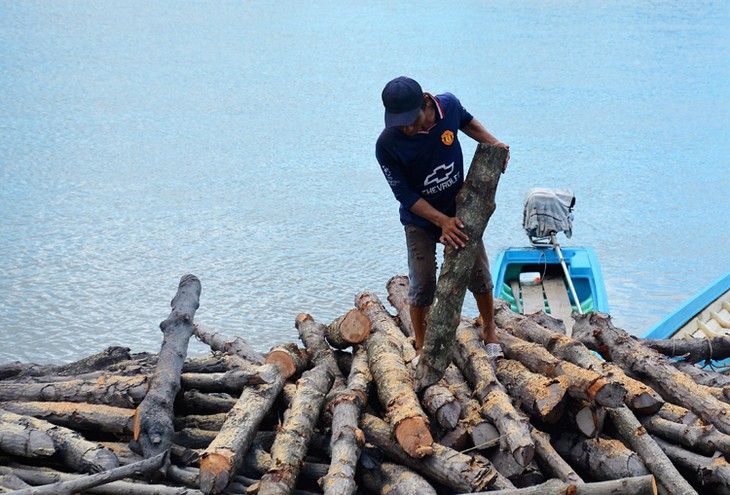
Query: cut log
x=289, y=358
x=81, y=483
x=292, y=440
x=704, y=438
x=471, y=357
x=75, y=451
x=639, y=485
x=347, y=438
x=25, y=441
x=388, y=352
x=386, y=478
x=679, y=414
x=224, y=455
x=398, y=297
x=589, y=419
x=704, y=376
x=520, y=476
x=235, y=346
x=153, y=419
x=312, y=334
x=583, y=383
x=691, y=350
x=230, y=381
x=349, y=329
x=459, y=472
x=633, y=434
x=118, y=391
x=93, y=363
x=600, y=458
x=709, y=471
x=198, y=402
x=440, y=402
x=474, y=206
x=539, y=395
x=639, y=397
x=211, y=422
x=77, y=416
x=596, y=329
x=550, y=460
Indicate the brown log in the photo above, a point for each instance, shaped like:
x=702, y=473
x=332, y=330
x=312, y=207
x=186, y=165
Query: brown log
x=459, y=472
x=292, y=440
x=639, y=485
x=442, y=405
x=703, y=376
x=625, y=350
x=95, y=362
x=550, y=460
x=679, y=414
x=312, y=334
x=520, y=476
x=207, y=403
x=583, y=383
x=118, y=391
x=398, y=297
x=474, y=206
x=235, y=346
x=691, y=350
x=224, y=455
x=153, y=428
x=77, y=416
x=387, y=353
x=75, y=451
x=480, y=429
x=601, y=458
x=713, y=473
x=386, y=478
x=349, y=329
x=347, y=437
x=633, y=434
x=540, y=396
x=229, y=381
x=25, y=441
x=471, y=357
x=81, y=483
x=640, y=397
x=704, y=438
x=289, y=358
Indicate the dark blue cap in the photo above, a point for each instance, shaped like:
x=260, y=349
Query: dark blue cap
x=402, y=98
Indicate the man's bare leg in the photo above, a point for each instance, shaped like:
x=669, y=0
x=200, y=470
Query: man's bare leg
x=485, y=303
x=418, y=319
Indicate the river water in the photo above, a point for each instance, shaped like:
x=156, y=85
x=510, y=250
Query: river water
x=235, y=140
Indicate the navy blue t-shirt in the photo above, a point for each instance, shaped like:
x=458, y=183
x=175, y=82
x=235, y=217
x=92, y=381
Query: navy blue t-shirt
x=428, y=165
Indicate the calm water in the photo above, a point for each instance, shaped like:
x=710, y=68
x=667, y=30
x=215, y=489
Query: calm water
x=144, y=140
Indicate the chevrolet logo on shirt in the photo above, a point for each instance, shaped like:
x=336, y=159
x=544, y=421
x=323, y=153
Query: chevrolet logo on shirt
x=441, y=178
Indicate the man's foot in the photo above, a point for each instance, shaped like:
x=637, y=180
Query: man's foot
x=494, y=350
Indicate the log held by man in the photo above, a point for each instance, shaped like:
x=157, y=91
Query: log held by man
x=474, y=206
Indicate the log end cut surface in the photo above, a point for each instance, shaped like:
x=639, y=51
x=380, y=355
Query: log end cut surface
x=414, y=436
x=215, y=469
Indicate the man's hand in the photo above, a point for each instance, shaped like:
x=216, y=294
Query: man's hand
x=505, y=146
x=451, y=233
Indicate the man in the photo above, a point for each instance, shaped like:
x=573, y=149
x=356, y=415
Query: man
x=420, y=155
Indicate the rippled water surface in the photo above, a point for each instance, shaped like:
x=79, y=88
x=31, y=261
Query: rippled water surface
x=145, y=140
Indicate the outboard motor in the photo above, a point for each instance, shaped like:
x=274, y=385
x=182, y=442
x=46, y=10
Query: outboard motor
x=547, y=212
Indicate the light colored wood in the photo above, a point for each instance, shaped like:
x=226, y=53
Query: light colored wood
x=557, y=296
x=532, y=299
x=516, y=292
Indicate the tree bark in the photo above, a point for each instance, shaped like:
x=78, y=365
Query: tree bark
x=639, y=397
x=78, y=416
x=200, y=403
x=223, y=456
x=235, y=346
x=75, y=451
x=300, y=418
x=584, y=384
x=601, y=458
x=704, y=376
x=312, y=334
x=25, y=441
x=350, y=329
x=386, y=478
x=639, y=485
x=481, y=430
x=398, y=297
x=542, y=397
x=691, y=350
x=230, y=381
x=551, y=461
x=704, y=438
x=471, y=357
x=347, y=438
x=597, y=329
x=708, y=470
x=153, y=419
x=458, y=472
x=634, y=435
x=474, y=206
x=441, y=404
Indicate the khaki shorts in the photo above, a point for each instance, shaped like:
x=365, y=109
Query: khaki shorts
x=422, y=267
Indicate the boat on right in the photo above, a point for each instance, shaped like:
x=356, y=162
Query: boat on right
x=705, y=315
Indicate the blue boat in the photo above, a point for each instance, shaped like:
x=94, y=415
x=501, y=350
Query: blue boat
x=705, y=315
x=544, y=276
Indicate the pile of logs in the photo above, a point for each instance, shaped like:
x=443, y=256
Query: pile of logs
x=340, y=413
